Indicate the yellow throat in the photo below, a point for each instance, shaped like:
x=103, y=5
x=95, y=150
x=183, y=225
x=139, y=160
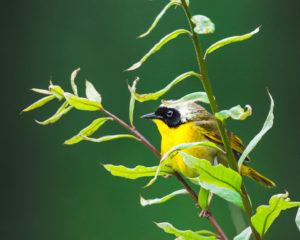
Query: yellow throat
x=184, y=133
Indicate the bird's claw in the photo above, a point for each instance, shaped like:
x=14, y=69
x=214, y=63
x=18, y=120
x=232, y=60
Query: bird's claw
x=204, y=213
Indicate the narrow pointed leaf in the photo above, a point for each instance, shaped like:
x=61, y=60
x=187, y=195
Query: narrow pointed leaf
x=187, y=234
x=237, y=113
x=192, y=97
x=89, y=130
x=266, y=127
x=82, y=103
x=266, y=215
x=73, y=85
x=63, y=107
x=244, y=235
x=132, y=101
x=144, y=202
x=57, y=91
x=203, y=233
x=227, y=194
x=59, y=113
x=41, y=102
x=203, y=198
x=297, y=220
x=180, y=3
x=173, y=151
x=91, y=92
x=108, y=138
x=220, y=180
x=41, y=91
x=158, y=94
x=229, y=40
x=159, y=16
x=203, y=24
x=157, y=46
x=137, y=172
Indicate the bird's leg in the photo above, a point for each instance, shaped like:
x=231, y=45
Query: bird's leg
x=204, y=213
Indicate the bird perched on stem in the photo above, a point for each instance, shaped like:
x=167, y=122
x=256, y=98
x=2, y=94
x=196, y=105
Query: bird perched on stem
x=185, y=122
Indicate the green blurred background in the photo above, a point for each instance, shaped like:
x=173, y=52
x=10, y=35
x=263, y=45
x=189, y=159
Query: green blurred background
x=52, y=191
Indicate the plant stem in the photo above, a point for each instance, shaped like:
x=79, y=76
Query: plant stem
x=192, y=193
x=188, y=188
x=208, y=214
x=135, y=132
x=213, y=104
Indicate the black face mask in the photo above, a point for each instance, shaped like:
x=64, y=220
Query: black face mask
x=170, y=116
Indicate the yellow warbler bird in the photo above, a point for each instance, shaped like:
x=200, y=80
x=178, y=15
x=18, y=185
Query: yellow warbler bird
x=185, y=122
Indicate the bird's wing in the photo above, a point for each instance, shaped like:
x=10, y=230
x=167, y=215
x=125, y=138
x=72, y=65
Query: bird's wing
x=213, y=134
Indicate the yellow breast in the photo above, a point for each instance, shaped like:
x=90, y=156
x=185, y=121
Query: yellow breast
x=184, y=133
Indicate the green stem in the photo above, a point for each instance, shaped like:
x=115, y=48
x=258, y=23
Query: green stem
x=213, y=104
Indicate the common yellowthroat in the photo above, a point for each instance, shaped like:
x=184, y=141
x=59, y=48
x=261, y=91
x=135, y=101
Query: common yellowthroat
x=189, y=122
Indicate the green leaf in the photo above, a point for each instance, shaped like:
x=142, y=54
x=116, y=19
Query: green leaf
x=137, y=172
x=220, y=180
x=237, y=113
x=174, y=150
x=203, y=24
x=203, y=198
x=266, y=215
x=157, y=46
x=188, y=234
x=227, y=194
x=266, y=127
x=89, y=130
x=91, y=92
x=156, y=95
x=297, y=220
x=132, y=101
x=38, y=103
x=73, y=76
x=229, y=40
x=202, y=233
x=192, y=97
x=82, y=103
x=108, y=138
x=180, y=3
x=59, y=113
x=145, y=202
x=244, y=235
x=57, y=91
x=41, y=91
x=159, y=16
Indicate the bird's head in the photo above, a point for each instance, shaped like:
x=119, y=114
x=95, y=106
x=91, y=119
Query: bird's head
x=173, y=114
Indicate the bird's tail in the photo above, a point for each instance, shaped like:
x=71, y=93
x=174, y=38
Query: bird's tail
x=250, y=172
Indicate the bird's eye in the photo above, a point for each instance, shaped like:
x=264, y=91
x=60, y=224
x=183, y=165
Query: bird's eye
x=169, y=113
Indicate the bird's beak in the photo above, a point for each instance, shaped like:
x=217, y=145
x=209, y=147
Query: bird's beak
x=151, y=116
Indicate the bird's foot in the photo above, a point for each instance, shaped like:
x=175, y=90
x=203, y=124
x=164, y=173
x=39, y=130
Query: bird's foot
x=204, y=213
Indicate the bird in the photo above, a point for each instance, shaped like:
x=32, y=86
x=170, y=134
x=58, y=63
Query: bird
x=185, y=122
